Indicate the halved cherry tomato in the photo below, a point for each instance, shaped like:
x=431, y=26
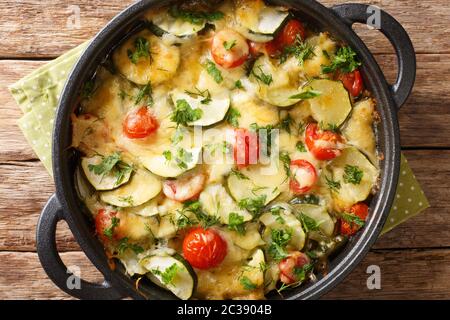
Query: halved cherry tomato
x=229, y=49
x=139, y=123
x=352, y=82
x=323, y=144
x=185, y=188
x=360, y=210
x=204, y=248
x=286, y=37
x=246, y=147
x=104, y=221
x=304, y=176
x=289, y=265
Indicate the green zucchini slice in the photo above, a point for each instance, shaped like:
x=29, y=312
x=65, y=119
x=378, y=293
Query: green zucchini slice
x=174, y=165
x=259, y=18
x=177, y=27
x=214, y=108
x=333, y=105
x=319, y=214
x=102, y=182
x=350, y=193
x=142, y=187
x=172, y=273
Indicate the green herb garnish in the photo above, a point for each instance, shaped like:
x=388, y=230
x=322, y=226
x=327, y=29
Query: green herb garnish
x=280, y=239
x=228, y=45
x=108, y=232
x=247, y=283
x=300, y=50
x=124, y=245
x=197, y=18
x=345, y=60
x=184, y=113
x=300, y=146
x=253, y=205
x=112, y=164
x=145, y=94
x=213, y=71
x=352, y=174
x=351, y=218
x=141, y=49
x=265, y=78
x=305, y=95
x=233, y=116
x=238, y=85
x=333, y=185
x=236, y=223
x=168, y=275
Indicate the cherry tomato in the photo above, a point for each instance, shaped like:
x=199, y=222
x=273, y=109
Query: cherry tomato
x=352, y=82
x=139, y=123
x=104, y=221
x=185, y=188
x=246, y=147
x=323, y=144
x=256, y=48
x=286, y=37
x=229, y=49
x=360, y=210
x=204, y=248
x=304, y=176
x=288, y=265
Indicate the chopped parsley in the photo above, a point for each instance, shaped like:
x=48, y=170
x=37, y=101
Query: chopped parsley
x=213, y=71
x=204, y=219
x=129, y=200
x=233, y=116
x=300, y=146
x=88, y=89
x=276, y=212
x=308, y=223
x=124, y=245
x=345, y=61
x=253, y=205
x=141, y=50
x=184, y=113
x=236, y=223
x=181, y=157
x=265, y=78
x=112, y=165
x=305, y=95
x=280, y=239
x=197, y=18
x=301, y=272
x=286, y=123
x=286, y=160
x=351, y=218
x=333, y=185
x=238, y=85
x=308, y=199
x=247, y=284
x=108, y=232
x=144, y=94
x=228, y=45
x=184, y=221
x=300, y=50
x=239, y=174
x=329, y=127
x=205, y=94
x=168, y=275
x=352, y=174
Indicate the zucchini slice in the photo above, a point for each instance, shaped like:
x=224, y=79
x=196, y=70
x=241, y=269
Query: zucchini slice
x=333, y=105
x=250, y=239
x=142, y=187
x=216, y=201
x=274, y=84
x=145, y=58
x=213, y=108
x=284, y=219
x=172, y=273
x=258, y=181
x=350, y=193
x=254, y=270
x=359, y=132
x=103, y=182
x=161, y=166
x=148, y=209
x=319, y=214
x=176, y=26
x=259, y=18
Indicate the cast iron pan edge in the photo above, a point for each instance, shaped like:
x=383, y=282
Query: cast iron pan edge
x=64, y=206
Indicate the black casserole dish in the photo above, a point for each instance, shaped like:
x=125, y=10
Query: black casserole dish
x=65, y=205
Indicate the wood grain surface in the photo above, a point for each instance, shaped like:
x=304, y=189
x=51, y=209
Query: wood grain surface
x=414, y=258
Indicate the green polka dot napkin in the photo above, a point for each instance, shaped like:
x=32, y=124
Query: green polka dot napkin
x=37, y=95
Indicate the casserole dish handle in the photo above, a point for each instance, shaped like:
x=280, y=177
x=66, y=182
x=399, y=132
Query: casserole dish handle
x=351, y=13
x=53, y=265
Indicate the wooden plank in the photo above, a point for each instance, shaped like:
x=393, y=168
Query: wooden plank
x=405, y=274
x=26, y=187
x=427, y=105
x=58, y=31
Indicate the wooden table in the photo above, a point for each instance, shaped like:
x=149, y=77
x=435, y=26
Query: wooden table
x=414, y=258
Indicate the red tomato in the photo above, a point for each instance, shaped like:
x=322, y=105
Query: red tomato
x=246, y=147
x=286, y=37
x=323, y=144
x=304, y=176
x=104, y=221
x=360, y=210
x=204, y=248
x=229, y=49
x=288, y=265
x=139, y=123
x=352, y=82
x=256, y=48
x=184, y=188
